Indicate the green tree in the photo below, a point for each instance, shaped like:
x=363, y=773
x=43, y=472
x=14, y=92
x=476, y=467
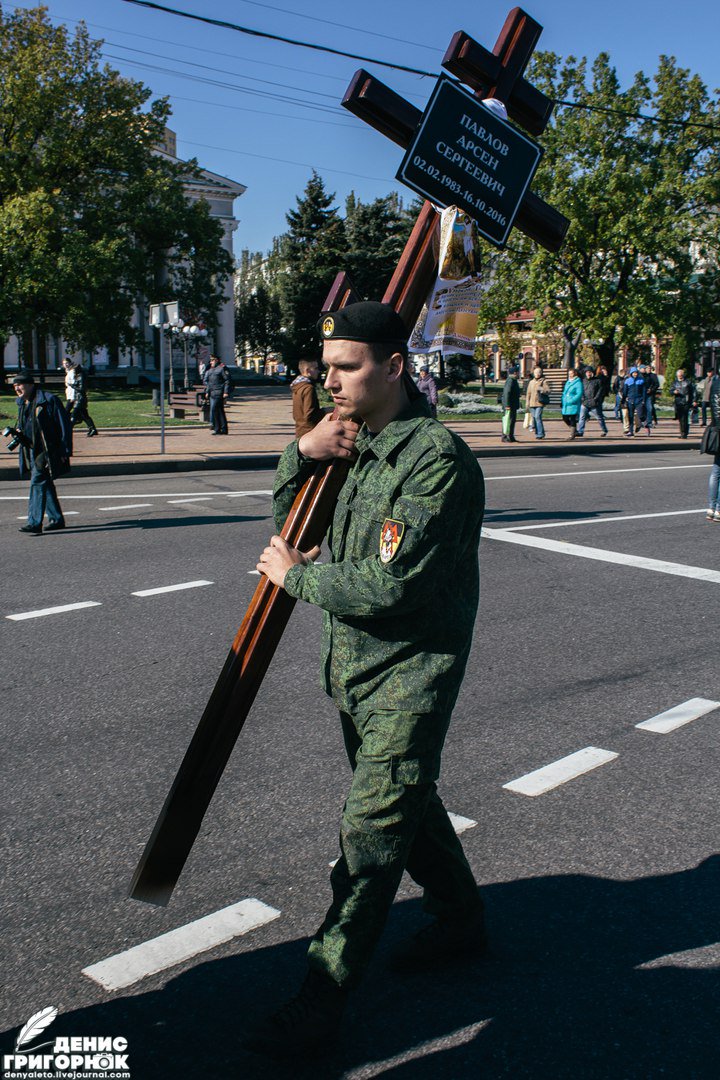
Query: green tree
x=303, y=265
x=681, y=354
x=92, y=219
x=640, y=197
x=376, y=234
x=257, y=308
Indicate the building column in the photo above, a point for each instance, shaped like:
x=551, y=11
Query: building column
x=225, y=332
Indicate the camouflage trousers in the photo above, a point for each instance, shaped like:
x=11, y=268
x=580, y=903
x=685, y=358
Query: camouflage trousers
x=393, y=820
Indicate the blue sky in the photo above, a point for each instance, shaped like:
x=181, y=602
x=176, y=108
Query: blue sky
x=270, y=112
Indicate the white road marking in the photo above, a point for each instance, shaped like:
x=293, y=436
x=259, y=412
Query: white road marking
x=254, y=572
x=559, y=772
x=679, y=715
x=618, y=557
x=594, y=472
x=143, y=495
x=125, y=506
x=176, y=946
x=602, y=520
x=372, y=1069
x=66, y=513
x=194, y=499
x=172, y=588
x=460, y=824
x=705, y=956
x=52, y=610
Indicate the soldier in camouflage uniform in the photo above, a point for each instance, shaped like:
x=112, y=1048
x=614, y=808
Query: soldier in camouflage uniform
x=399, y=601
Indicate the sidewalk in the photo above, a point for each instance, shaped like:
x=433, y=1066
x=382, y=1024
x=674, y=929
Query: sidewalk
x=260, y=427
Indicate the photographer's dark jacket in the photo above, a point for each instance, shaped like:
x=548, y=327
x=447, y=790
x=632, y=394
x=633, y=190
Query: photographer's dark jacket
x=45, y=426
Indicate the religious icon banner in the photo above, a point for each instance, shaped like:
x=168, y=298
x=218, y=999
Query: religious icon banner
x=448, y=321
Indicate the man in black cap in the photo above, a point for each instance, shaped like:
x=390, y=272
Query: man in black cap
x=399, y=600
x=44, y=451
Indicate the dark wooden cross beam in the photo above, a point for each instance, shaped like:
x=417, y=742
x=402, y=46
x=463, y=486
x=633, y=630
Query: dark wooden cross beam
x=252, y=650
x=497, y=74
x=181, y=816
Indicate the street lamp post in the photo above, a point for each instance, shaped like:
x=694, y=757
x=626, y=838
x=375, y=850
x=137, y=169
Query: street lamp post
x=194, y=334
x=176, y=327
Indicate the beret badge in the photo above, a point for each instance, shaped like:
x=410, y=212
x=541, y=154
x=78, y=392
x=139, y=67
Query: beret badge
x=328, y=326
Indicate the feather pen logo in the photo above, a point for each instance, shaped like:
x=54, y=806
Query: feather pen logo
x=34, y=1027
x=93, y=1057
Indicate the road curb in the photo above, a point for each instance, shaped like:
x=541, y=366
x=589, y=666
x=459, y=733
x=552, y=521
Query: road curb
x=242, y=462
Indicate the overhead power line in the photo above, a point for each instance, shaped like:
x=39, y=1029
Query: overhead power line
x=252, y=91
x=341, y=26
x=221, y=71
x=286, y=161
x=402, y=67
x=275, y=37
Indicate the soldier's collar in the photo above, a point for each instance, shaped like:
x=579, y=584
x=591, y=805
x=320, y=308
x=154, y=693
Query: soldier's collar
x=397, y=431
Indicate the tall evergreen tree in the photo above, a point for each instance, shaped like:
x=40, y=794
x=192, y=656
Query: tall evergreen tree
x=304, y=264
x=376, y=233
x=257, y=308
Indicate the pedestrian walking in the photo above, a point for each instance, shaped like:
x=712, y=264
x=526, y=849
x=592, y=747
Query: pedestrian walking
x=76, y=395
x=571, y=400
x=44, y=439
x=218, y=386
x=704, y=389
x=633, y=401
x=536, y=398
x=652, y=389
x=399, y=598
x=427, y=386
x=617, y=391
x=592, y=403
x=713, y=400
x=601, y=373
x=511, y=403
x=683, y=395
x=305, y=405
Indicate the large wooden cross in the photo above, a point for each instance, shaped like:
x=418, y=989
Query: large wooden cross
x=498, y=74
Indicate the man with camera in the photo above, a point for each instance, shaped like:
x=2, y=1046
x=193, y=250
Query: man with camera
x=43, y=437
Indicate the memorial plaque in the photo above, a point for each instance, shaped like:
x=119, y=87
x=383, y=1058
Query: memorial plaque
x=464, y=155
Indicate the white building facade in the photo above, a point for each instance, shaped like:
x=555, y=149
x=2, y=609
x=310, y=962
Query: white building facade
x=220, y=194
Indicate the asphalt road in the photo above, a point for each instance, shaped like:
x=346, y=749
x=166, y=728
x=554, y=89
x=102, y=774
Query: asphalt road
x=602, y=893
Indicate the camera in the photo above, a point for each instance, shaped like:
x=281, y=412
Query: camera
x=16, y=438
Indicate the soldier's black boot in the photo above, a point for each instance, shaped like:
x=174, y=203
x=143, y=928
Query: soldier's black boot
x=307, y=1024
x=444, y=941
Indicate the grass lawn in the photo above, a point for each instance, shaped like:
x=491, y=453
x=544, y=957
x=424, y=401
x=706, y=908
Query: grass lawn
x=110, y=409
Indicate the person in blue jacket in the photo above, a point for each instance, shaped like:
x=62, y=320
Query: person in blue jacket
x=571, y=398
x=634, y=394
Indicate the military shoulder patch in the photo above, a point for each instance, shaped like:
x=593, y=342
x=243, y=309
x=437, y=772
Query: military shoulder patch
x=328, y=326
x=390, y=536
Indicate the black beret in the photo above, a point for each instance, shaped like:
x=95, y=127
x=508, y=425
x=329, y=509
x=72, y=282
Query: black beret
x=368, y=321
x=23, y=377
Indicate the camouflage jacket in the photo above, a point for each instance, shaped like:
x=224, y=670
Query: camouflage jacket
x=400, y=595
